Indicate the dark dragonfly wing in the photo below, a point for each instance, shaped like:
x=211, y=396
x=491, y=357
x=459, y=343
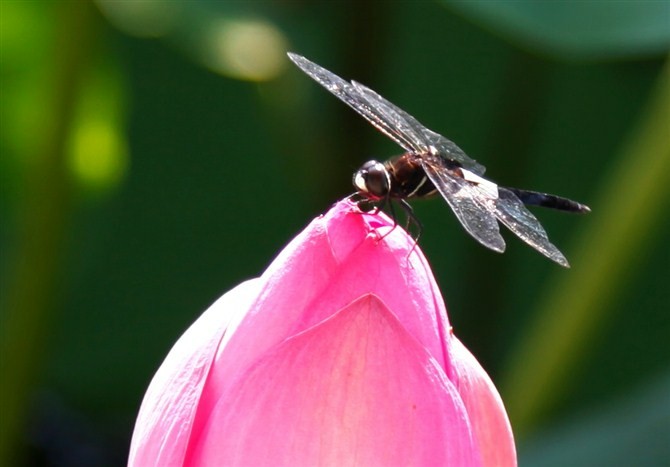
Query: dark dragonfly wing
x=472, y=205
x=510, y=210
x=394, y=122
x=479, y=207
x=392, y=125
x=431, y=142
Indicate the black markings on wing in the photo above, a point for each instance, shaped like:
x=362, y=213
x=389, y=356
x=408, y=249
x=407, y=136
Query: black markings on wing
x=394, y=122
x=450, y=150
x=444, y=147
x=474, y=212
x=479, y=212
x=394, y=128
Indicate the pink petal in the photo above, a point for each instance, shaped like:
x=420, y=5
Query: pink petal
x=332, y=262
x=163, y=426
x=485, y=408
x=395, y=269
x=356, y=389
x=274, y=374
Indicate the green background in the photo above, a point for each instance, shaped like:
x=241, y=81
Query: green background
x=144, y=172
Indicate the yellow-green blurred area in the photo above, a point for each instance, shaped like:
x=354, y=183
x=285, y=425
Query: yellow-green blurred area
x=156, y=153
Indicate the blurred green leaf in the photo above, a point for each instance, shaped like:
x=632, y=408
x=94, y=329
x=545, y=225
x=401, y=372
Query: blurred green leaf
x=97, y=150
x=631, y=429
x=573, y=309
x=591, y=29
x=228, y=38
x=43, y=211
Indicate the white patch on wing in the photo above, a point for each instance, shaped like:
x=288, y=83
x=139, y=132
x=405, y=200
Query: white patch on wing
x=487, y=186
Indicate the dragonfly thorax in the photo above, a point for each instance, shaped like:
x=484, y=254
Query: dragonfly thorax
x=372, y=180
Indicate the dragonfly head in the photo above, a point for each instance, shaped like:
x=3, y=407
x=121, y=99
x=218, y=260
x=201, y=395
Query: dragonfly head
x=372, y=180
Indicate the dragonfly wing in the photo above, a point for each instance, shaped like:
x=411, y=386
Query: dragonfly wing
x=449, y=149
x=388, y=118
x=474, y=208
x=391, y=124
x=430, y=141
x=509, y=210
x=398, y=118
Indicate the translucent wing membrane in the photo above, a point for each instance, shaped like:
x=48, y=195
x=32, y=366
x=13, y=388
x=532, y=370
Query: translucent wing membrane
x=396, y=118
x=479, y=211
x=450, y=150
x=473, y=208
x=509, y=209
x=431, y=142
x=394, y=122
x=392, y=126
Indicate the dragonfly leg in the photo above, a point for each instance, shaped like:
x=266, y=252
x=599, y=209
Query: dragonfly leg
x=386, y=201
x=411, y=219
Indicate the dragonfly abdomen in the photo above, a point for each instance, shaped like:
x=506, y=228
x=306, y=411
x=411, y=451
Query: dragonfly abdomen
x=535, y=198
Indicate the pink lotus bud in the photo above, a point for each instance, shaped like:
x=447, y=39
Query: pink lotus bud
x=341, y=353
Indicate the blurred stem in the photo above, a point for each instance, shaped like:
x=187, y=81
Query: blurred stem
x=632, y=198
x=42, y=223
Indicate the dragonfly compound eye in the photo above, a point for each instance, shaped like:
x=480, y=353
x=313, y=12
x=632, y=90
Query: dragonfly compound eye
x=372, y=179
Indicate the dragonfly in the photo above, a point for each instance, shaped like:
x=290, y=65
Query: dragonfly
x=433, y=164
